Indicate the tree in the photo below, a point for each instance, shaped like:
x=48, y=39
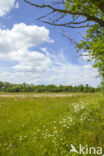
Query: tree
x=1, y=85
x=90, y=10
x=94, y=45
x=51, y=88
x=80, y=14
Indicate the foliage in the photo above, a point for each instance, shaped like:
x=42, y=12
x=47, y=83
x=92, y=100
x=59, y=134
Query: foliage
x=94, y=45
x=9, y=87
x=93, y=42
x=91, y=9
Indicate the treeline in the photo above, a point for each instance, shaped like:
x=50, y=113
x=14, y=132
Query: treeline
x=24, y=87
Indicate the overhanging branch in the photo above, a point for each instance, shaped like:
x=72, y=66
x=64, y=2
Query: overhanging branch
x=70, y=26
x=70, y=39
x=88, y=17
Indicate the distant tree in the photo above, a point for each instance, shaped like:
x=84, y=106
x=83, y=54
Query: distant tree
x=24, y=87
x=81, y=88
x=1, y=85
x=51, y=88
x=39, y=88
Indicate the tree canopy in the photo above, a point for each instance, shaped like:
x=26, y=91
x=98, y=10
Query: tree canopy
x=24, y=87
x=79, y=14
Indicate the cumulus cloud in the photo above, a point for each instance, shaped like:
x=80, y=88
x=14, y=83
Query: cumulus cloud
x=31, y=62
x=22, y=36
x=6, y=6
x=39, y=66
x=15, y=45
x=64, y=72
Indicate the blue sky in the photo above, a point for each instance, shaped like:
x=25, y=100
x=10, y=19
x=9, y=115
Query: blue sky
x=34, y=52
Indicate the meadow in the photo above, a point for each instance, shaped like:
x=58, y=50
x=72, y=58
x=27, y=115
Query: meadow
x=47, y=124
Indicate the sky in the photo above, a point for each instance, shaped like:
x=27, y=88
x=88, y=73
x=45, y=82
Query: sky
x=38, y=53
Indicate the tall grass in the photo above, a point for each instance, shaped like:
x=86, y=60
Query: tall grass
x=47, y=126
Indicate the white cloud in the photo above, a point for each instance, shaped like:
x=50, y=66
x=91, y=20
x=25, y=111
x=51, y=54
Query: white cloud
x=63, y=72
x=15, y=44
x=21, y=37
x=6, y=6
x=39, y=66
x=31, y=62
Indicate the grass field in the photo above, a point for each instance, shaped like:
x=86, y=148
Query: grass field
x=47, y=124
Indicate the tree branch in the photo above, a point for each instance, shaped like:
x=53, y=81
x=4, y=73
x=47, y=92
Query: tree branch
x=84, y=55
x=89, y=17
x=46, y=15
x=70, y=39
x=70, y=26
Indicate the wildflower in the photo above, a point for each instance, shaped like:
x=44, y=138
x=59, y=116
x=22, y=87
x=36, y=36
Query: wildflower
x=55, y=131
x=64, y=119
x=34, y=133
x=71, y=120
x=60, y=122
x=61, y=139
x=53, y=141
x=7, y=148
x=68, y=127
x=25, y=136
x=38, y=130
x=44, y=126
x=20, y=138
x=5, y=144
x=44, y=137
x=43, y=134
x=64, y=125
x=54, y=122
x=10, y=145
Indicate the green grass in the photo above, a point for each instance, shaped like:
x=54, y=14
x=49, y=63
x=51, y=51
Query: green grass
x=47, y=126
